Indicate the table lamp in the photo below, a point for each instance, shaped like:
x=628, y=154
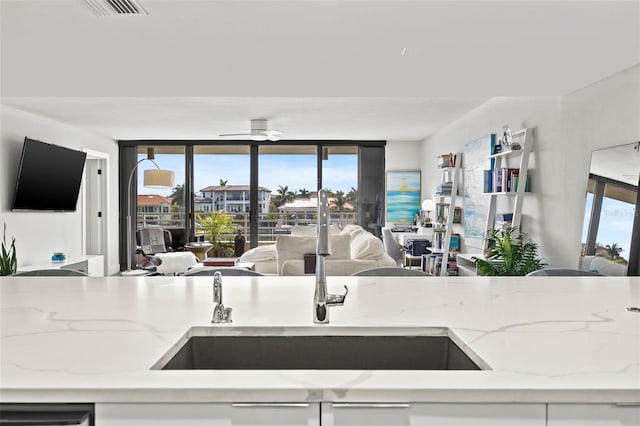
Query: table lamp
x=428, y=206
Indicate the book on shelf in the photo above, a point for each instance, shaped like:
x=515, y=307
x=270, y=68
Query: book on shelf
x=438, y=241
x=444, y=188
x=432, y=264
x=502, y=179
x=442, y=213
x=446, y=160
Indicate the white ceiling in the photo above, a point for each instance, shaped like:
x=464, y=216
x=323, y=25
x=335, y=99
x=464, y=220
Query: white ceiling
x=621, y=163
x=315, y=69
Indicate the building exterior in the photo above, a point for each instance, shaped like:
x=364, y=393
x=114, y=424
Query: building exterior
x=234, y=198
x=153, y=209
x=203, y=204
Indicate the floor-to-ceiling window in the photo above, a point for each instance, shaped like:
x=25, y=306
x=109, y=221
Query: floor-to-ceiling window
x=221, y=184
x=288, y=175
x=162, y=207
x=265, y=187
x=340, y=177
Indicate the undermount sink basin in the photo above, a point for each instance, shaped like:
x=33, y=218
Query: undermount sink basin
x=318, y=349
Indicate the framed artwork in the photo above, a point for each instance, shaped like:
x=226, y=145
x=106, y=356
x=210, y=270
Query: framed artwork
x=403, y=191
x=476, y=204
x=457, y=215
x=454, y=243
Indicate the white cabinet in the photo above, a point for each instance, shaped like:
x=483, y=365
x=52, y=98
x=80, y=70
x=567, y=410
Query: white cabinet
x=427, y=414
x=89, y=264
x=593, y=415
x=466, y=265
x=203, y=414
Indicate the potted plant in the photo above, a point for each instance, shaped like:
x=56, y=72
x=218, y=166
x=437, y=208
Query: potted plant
x=216, y=225
x=510, y=253
x=8, y=259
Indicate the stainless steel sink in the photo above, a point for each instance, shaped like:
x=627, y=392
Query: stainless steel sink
x=315, y=349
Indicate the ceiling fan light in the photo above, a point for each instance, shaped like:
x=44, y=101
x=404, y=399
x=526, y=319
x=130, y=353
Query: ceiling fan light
x=259, y=137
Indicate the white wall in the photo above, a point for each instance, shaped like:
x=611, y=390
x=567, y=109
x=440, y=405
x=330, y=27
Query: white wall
x=39, y=234
x=403, y=156
x=566, y=130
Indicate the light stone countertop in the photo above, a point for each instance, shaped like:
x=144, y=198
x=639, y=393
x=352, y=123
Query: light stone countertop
x=546, y=339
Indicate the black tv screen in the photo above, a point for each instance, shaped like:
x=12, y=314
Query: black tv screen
x=49, y=177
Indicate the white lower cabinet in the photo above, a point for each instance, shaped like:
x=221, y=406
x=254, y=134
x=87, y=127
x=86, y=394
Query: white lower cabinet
x=201, y=414
x=366, y=414
x=428, y=414
x=593, y=415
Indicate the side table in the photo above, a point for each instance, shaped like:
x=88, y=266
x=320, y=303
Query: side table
x=199, y=249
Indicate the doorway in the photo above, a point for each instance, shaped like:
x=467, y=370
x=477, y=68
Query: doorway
x=95, y=206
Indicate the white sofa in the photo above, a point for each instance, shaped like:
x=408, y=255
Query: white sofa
x=352, y=250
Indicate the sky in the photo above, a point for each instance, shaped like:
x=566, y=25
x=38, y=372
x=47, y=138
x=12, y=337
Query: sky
x=340, y=172
x=616, y=223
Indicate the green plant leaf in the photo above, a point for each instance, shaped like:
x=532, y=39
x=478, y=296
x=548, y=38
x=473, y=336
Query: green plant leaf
x=8, y=257
x=510, y=253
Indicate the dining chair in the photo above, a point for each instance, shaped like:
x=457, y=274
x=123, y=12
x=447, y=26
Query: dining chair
x=390, y=272
x=52, y=273
x=225, y=271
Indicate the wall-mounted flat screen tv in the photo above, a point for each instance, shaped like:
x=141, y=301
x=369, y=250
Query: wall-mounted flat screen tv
x=49, y=177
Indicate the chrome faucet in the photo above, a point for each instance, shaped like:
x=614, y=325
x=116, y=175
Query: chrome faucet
x=220, y=313
x=321, y=300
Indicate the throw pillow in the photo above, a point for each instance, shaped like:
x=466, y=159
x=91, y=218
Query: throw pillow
x=176, y=262
x=366, y=246
x=259, y=254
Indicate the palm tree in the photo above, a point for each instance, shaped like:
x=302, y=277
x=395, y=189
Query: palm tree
x=223, y=182
x=284, y=195
x=303, y=193
x=352, y=196
x=177, y=195
x=614, y=250
x=339, y=201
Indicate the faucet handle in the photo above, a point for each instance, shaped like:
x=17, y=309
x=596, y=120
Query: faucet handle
x=221, y=314
x=337, y=299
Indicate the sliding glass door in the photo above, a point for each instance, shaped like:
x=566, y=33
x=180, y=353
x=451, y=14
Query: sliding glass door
x=288, y=176
x=263, y=188
x=160, y=207
x=340, y=177
x=221, y=190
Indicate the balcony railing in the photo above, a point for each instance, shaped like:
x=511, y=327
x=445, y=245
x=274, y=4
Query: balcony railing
x=270, y=225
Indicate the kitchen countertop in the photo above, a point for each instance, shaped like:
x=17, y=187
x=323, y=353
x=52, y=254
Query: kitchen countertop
x=545, y=339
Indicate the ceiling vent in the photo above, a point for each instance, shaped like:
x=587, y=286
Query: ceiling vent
x=115, y=7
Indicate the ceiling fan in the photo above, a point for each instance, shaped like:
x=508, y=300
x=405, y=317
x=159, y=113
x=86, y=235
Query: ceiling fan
x=259, y=131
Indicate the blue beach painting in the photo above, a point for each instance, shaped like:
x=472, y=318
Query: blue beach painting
x=476, y=204
x=403, y=196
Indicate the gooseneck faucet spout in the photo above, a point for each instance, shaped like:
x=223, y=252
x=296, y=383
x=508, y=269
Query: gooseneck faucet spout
x=322, y=300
